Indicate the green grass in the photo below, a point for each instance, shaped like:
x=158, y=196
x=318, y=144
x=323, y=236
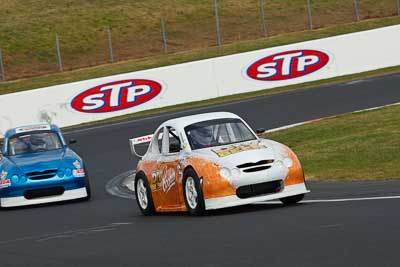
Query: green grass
x=181, y=57
x=28, y=27
x=355, y=146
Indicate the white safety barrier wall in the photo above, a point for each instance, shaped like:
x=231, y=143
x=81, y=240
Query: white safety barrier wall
x=102, y=98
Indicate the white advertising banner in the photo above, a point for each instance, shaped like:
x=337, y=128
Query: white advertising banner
x=102, y=98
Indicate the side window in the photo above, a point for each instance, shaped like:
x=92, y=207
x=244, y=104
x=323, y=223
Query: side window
x=174, y=141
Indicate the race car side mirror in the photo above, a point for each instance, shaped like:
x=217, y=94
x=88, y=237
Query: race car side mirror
x=260, y=131
x=72, y=141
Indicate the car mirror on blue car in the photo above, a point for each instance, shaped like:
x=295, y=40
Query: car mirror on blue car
x=72, y=141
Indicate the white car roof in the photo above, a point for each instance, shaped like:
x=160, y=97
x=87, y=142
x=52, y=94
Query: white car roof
x=182, y=122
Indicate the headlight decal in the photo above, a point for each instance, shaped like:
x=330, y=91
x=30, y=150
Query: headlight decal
x=15, y=179
x=60, y=173
x=225, y=172
x=296, y=175
x=68, y=172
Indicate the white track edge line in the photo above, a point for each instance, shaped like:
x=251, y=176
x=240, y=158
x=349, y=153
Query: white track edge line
x=335, y=200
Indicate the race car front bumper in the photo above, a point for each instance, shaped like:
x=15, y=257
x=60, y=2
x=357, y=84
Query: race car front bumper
x=233, y=200
x=43, y=191
x=22, y=201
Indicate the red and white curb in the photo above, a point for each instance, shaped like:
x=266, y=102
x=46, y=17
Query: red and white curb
x=122, y=185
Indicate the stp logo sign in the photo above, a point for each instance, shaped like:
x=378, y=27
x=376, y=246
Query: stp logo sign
x=287, y=65
x=116, y=96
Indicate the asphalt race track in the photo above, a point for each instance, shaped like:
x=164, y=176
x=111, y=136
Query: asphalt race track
x=110, y=231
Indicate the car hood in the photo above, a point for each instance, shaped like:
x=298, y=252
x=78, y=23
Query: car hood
x=39, y=161
x=232, y=155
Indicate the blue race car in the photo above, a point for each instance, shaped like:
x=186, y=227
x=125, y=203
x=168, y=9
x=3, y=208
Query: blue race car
x=36, y=166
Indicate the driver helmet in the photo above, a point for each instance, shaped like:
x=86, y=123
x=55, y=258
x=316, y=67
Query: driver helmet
x=203, y=136
x=37, y=142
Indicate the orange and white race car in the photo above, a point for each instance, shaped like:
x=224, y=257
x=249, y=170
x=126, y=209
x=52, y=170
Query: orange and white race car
x=211, y=161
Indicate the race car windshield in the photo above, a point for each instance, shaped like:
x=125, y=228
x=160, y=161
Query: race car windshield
x=218, y=133
x=28, y=143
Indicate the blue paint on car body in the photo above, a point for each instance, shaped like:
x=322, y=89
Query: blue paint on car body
x=23, y=169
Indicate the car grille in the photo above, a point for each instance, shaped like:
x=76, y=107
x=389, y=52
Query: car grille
x=253, y=190
x=256, y=166
x=44, y=192
x=41, y=175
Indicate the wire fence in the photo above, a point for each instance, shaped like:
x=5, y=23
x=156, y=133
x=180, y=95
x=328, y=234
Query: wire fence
x=217, y=27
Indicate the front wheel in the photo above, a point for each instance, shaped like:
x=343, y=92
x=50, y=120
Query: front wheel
x=193, y=194
x=143, y=195
x=292, y=199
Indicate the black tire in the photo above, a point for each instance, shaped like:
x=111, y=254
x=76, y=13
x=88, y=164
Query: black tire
x=87, y=186
x=292, y=199
x=196, y=208
x=149, y=208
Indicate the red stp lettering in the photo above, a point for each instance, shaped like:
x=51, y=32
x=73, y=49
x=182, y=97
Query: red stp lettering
x=116, y=96
x=287, y=65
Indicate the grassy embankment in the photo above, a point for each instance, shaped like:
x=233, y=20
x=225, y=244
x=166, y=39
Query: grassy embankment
x=354, y=146
x=28, y=28
x=181, y=57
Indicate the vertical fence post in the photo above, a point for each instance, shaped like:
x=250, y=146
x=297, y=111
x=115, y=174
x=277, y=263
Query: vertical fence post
x=59, y=59
x=2, y=75
x=356, y=15
x=310, y=23
x=163, y=35
x=262, y=13
x=217, y=22
x=398, y=7
x=110, y=46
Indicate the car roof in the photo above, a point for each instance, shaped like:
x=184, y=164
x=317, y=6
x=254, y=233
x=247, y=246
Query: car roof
x=182, y=122
x=31, y=128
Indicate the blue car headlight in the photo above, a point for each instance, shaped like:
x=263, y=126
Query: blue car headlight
x=60, y=173
x=15, y=179
x=23, y=179
x=68, y=172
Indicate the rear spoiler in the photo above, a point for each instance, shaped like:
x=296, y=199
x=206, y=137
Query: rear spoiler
x=139, y=140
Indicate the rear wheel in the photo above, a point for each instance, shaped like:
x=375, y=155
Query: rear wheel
x=292, y=199
x=192, y=193
x=143, y=195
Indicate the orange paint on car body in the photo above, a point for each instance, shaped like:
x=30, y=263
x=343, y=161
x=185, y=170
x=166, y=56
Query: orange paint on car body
x=214, y=185
x=296, y=174
x=166, y=197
